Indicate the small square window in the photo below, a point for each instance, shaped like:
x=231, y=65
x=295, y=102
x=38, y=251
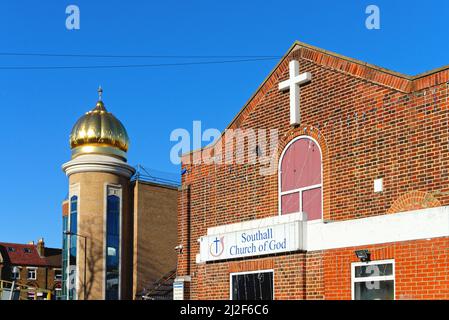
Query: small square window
x=58, y=274
x=373, y=280
x=27, y=250
x=11, y=249
x=32, y=274
x=261, y=284
x=15, y=275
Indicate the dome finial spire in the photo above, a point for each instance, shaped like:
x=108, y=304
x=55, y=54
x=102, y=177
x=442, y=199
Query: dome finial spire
x=100, y=105
x=100, y=93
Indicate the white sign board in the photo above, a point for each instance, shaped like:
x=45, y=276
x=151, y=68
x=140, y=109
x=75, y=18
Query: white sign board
x=178, y=290
x=272, y=239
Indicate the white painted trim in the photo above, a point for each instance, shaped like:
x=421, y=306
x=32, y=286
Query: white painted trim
x=54, y=271
x=315, y=186
x=380, y=278
x=247, y=272
x=253, y=224
x=404, y=226
x=98, y=163
x=412, y=225
x=280, y=193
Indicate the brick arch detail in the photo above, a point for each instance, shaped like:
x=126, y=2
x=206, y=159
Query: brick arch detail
x=310, y=131
x=414, y=200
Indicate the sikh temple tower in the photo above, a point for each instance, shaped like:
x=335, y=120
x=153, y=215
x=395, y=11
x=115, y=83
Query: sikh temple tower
x=98, y=226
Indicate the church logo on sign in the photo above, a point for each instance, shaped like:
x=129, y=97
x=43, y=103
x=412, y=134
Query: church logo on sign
x=217, y=247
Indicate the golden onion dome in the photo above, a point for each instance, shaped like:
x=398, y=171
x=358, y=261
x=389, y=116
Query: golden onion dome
x=99, y=132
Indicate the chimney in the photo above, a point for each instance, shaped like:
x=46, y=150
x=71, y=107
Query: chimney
x=41, y=247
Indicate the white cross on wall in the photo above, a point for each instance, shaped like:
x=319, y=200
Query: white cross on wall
x=293, y=84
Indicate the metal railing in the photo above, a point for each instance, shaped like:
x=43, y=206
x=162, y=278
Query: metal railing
x=161, y=289
x=155, y=176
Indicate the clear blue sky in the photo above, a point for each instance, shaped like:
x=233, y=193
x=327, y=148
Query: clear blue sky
x=39, y=107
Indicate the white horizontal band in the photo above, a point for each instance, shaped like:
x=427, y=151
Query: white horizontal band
x=405, y=226
x=98, y=163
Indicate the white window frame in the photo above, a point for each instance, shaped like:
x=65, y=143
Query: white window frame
x=60, y=270
x=299, y=190
x=248, y=272
x=18, y=274
x=380, y=278
x=74, y=190
x=28, y=273
x=112, y=189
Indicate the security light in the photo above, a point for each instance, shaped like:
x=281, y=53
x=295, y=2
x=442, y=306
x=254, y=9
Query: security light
x=178, y=248
x=363, y=255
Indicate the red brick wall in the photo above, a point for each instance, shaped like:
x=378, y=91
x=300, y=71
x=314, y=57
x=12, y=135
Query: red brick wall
x=422, y=272
x=422, y=269
x=214, y=279
x=370, y=123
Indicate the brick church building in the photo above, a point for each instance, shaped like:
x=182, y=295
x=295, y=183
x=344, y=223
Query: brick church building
x=356, y=204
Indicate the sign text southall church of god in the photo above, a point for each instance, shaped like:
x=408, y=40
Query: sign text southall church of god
x=276, y=238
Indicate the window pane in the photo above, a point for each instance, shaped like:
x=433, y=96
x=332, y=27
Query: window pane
x=112, y=248
x=301, y=165
x=65, y=253
x=311, y=203
x=253, y=286
x=374, y=290
x=290, y=203
x=73, y=225
x=374, y=270
x=15, y=275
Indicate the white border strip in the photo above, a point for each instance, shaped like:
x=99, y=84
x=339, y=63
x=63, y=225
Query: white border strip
x=254, y=224
x=411, y=225
x=405, y=226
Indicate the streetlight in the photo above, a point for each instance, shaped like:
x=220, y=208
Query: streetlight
x=68, y=233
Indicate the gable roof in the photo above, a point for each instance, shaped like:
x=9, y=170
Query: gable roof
x=27, y=255
x=356, y=68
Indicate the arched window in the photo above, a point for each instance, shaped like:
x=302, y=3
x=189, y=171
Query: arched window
x=300, y=181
